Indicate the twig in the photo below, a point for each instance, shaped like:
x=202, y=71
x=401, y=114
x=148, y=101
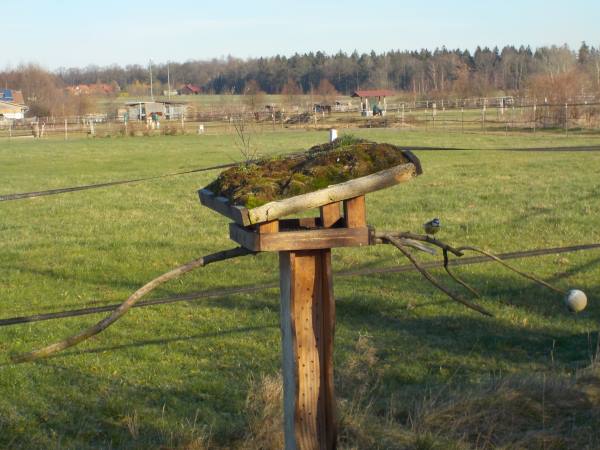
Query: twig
x=455, y=278
x=419, y=237
x=127, y=304
x=508, y=266
x=418, y=246
x=396, y=243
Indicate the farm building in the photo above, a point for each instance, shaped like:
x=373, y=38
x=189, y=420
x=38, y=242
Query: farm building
x=379, y=106
x=142, y=110
x=190, y=89
x=12, y=105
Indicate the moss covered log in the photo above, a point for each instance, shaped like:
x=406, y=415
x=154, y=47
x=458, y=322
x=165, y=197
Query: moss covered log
x=256, y=183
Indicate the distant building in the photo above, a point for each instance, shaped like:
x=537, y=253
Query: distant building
x=190, y=89
x=143, y=110
x=379, y=106
x=12, y=105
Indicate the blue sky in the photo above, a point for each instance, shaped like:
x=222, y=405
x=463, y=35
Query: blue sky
x=78, y=33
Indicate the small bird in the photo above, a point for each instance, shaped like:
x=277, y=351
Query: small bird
x=432, y=227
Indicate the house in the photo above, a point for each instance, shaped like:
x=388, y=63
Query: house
x=379, y=107
x=190, y=89
x=143, y=110
x=12, y=105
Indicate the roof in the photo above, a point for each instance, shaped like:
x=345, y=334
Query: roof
x=193, y=88
x=373, y=93
x=10, y=95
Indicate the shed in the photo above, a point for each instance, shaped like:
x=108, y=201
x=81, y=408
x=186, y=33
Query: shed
x=190, y=89
x=380, y=105
x=141, y=110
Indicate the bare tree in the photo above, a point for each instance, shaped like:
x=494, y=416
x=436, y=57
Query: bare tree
x=244, y=133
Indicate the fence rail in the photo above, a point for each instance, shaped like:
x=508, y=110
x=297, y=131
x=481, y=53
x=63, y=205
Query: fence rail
x=457, y=115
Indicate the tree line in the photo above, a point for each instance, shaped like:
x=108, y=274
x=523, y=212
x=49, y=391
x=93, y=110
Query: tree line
x=419, y=74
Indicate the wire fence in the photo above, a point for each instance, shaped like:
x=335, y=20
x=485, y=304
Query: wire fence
x=500, y=114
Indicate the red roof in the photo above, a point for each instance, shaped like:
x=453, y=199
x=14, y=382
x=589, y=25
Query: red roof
x=373, y=93
x=193, y=88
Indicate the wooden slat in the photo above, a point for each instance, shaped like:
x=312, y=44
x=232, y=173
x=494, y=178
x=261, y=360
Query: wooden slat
x=355, y=212
x=268, y=227
x=330, y=214
x=328, y=311
x=221, y=205
x=288, y=344
x=246, y=238
x=299, y=240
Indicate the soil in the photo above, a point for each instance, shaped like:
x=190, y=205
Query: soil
x=256, y=183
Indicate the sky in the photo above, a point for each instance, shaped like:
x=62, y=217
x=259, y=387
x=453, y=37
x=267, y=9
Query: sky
x=75, y=33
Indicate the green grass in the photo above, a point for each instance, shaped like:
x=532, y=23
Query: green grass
x=164, y=375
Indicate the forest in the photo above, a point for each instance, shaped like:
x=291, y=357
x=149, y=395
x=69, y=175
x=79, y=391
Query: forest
x=556, y=72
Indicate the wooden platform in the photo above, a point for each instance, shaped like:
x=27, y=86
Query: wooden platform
x=313, y=239
x=334, y=193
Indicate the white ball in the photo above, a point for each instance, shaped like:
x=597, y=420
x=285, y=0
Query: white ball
x=576, y=300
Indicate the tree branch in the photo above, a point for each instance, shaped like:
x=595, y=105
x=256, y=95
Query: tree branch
x=396, y=243
x=508, y=266
x=127, y=304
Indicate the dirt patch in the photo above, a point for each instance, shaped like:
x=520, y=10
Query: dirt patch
x=257, y=183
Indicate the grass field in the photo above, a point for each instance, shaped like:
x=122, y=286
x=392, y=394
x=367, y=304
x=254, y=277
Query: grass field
x=201, y=374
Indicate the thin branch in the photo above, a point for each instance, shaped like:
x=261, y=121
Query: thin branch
x=396, y=243
x=456, y=278
x=127, y=304
x=508, y=266
x=419, y=237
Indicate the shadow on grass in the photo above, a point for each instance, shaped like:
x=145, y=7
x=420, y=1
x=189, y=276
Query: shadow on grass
x=167, y=340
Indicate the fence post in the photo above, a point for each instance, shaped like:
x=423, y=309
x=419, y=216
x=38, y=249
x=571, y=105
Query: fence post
x=534, y=110
x=483, y=116
x=566, y=118
x=402, y=115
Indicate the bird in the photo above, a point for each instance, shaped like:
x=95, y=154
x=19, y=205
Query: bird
x=432, y=227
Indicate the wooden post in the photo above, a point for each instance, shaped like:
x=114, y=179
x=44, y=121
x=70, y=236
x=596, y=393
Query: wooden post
x=307, y=330
x=307, y=327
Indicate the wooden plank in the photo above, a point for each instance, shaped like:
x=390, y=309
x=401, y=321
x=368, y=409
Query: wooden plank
x=330, y=214
x=307, y=344
x=221, y=205
x=299, y=240
x=247, y=239
x=328, y=310
x=288, y=344
x=337, y=192
x=268, y=227
x=355, y=212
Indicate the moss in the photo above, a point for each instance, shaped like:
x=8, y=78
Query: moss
x=346, y=158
